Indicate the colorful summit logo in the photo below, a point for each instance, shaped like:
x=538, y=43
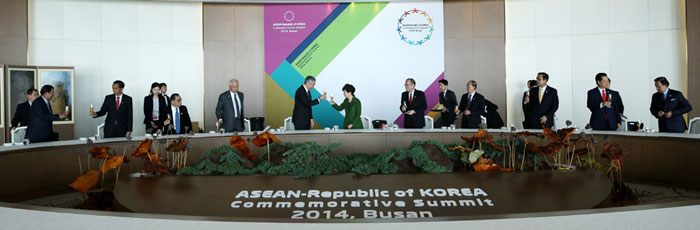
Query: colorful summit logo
x=415, y=27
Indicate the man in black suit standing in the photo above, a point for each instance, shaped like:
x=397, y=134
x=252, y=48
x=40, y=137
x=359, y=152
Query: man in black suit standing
x=472, y=105
x=178, y=118
x=526, y=97
x=21, y=117
x=164, y=92
x=542, y=103
x=229, y=108
x=605, y=105
x=668, y=106
x=119, y=110
x=302, y=116
x=41, y=119
x=413, y=106
x=448, y=99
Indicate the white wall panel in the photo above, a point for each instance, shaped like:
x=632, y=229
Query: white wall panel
x=634, y=41
x=130, y=41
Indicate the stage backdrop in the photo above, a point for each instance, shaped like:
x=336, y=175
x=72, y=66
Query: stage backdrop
x=373, y=46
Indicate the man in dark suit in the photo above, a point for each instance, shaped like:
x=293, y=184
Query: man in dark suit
x=472, y=105
x=493, y=118
x=413, y=106
x=605, y=105
x=41, y=119
x=21, y=117
x=164, y=92
x=542, y=103
x=668, y=106
x=178, y=118
x=448, y=99
x=526, y=97
x=229, y=108
x=302, y=116
x=119, y=110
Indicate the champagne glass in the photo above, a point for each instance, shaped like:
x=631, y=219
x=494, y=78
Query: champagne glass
x=67, y=112
x=92, y=109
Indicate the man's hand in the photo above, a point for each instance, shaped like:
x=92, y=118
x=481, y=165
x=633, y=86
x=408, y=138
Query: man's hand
x=660, y=114
x=312, y=123
x=607, y=104
x=322, y=97
x=410, y=112
x=221, y=122
x=92, y=114
x=623, y=116
x=153, y=124
x=63, y=115
x=128, y=134
x=443, y=110
x=527, y=99
x=350, y=126
x=543, y=119
x=467, y=112
x=167, y=122
x=403, y=108
x=669, y=114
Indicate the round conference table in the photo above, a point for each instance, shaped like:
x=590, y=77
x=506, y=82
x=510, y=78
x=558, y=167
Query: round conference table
x=41, y=169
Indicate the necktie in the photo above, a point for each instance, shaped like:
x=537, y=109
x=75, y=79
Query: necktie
x=177, y=120
x=49, y=105
x=605, y=98
x=540, y=94
x=117, y=102
x=469, y=101
x=410, y=99
x=235, y=101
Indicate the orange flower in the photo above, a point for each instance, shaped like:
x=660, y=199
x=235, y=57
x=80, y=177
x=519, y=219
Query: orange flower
x=84, y=182
x=143, y=148
x=178, y=145
x=238, y=143
x=261, y=139
x=100, y=152
x=112, y=162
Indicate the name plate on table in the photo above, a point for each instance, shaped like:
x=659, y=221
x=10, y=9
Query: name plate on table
x=347, y=196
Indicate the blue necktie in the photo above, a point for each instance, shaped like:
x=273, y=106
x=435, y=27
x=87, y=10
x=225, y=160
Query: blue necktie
x=469, y=101
x=177, y=120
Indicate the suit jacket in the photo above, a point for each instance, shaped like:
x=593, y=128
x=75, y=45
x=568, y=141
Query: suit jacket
x=21, y=117
x=676, y=104
x=419, y=105
x=604, y=118
x=185, y=121
x=449, y=100
x=167, y=100
x=476, y=109
x=548, y=106
x=493, y=118
x=148, y=111
x=225, y=112
x=526, y=112
x=40, y=122
x=118, y=122
x=302, y=115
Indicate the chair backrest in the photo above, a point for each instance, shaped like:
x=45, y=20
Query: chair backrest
x=288, y=125
x=483, y=120
x=101, y=130
x=694, y=125
x=246, y=124
x=428, y=122
x=17, y=135
x=366, y=122
x=623, y=124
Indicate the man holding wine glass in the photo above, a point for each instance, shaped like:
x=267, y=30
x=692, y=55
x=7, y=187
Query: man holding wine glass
x=302, y=116
x=119, y=111
x=605, y=105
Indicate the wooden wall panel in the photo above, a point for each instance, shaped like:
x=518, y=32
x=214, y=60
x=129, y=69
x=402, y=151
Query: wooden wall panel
x=693, y=39
x=13, y=32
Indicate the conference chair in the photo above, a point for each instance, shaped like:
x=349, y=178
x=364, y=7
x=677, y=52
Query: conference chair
x=366, y=122
x=17, y=135
x=246, y=124
x=623, y=124
x=483, y=120
x=100, y=131
x=428, y=122
x=694, y=125
x=288, y=125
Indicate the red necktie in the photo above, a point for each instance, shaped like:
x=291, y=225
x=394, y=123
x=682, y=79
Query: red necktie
x=117, y=102
x=410, y=99
x=605, y=98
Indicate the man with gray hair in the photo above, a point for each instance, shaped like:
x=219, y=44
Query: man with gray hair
x=229, y=108
x=301, y=116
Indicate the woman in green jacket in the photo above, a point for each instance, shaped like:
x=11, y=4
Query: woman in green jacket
x=352, y=107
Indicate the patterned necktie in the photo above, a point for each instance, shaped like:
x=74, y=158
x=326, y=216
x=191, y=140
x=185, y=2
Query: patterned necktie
x=469, y=101
x=177, y=120
x=540, y=94
x=238, y=107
